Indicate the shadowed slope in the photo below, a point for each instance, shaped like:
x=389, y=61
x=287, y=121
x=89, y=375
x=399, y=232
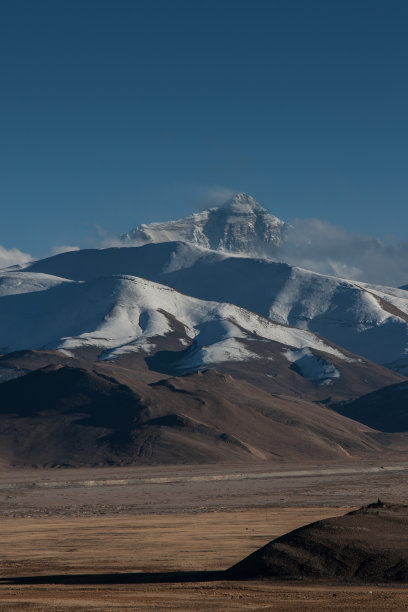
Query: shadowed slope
x=385, y=409
x=61, y=415
x=368, y=545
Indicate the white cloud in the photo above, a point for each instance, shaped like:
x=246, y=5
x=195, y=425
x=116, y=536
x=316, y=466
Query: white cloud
x=322, y=247
x=56, y=250
x=216, y=196
x=197, y=196
x=12, y=257
x=102, y=233
x=210, y=197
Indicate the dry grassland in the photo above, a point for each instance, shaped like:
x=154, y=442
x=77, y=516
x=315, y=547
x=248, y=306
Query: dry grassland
x=61, y=530
x=122, y=546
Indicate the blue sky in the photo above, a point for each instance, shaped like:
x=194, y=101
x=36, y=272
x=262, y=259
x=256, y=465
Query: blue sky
x=117, y=112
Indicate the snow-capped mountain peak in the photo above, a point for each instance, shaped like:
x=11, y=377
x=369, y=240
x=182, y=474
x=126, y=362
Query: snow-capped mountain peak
x=240, y=225
x=242, y=203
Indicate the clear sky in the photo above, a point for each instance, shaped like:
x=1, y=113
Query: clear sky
x=117, y=112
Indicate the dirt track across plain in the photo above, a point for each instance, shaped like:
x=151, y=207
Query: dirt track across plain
x=104, y=491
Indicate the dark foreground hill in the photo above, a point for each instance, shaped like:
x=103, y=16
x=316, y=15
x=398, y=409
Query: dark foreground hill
x=368, y=545
x=61, y=415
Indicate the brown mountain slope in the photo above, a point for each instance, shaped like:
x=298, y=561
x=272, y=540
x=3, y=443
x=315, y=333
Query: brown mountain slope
x=271, y=371
x=368, y=545
x=61, y=415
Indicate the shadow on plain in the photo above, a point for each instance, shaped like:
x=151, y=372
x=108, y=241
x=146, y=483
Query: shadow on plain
x=120, y=578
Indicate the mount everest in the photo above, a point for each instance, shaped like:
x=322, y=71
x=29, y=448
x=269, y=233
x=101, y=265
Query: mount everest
x=241, y=225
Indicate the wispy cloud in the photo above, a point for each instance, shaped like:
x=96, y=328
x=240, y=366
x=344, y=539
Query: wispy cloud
x=105, y=240
x=326, y=248
x=12, y=257
x=198, y=196
x=218, y=195
x=56, y=250
x=203, y=197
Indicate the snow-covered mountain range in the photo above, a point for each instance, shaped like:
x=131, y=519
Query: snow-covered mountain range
x=122, y=314
x=367, y=320
x=100, y=296
x=181, y=297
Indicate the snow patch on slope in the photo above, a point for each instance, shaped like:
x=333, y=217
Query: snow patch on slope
x=12, y=283
x=228, y=349
x=395, y=297
x=311, y=366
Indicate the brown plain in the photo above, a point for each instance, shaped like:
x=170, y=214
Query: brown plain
x=60, y=531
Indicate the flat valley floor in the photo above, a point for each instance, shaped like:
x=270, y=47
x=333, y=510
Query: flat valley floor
x=159, y=538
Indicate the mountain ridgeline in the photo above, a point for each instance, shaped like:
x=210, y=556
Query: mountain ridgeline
x=136, y=328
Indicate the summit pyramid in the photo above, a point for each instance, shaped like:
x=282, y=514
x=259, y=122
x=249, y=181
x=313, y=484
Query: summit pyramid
x=240, y=225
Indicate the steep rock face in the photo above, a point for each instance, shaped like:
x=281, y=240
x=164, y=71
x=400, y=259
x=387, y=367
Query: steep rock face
x=239, y=226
